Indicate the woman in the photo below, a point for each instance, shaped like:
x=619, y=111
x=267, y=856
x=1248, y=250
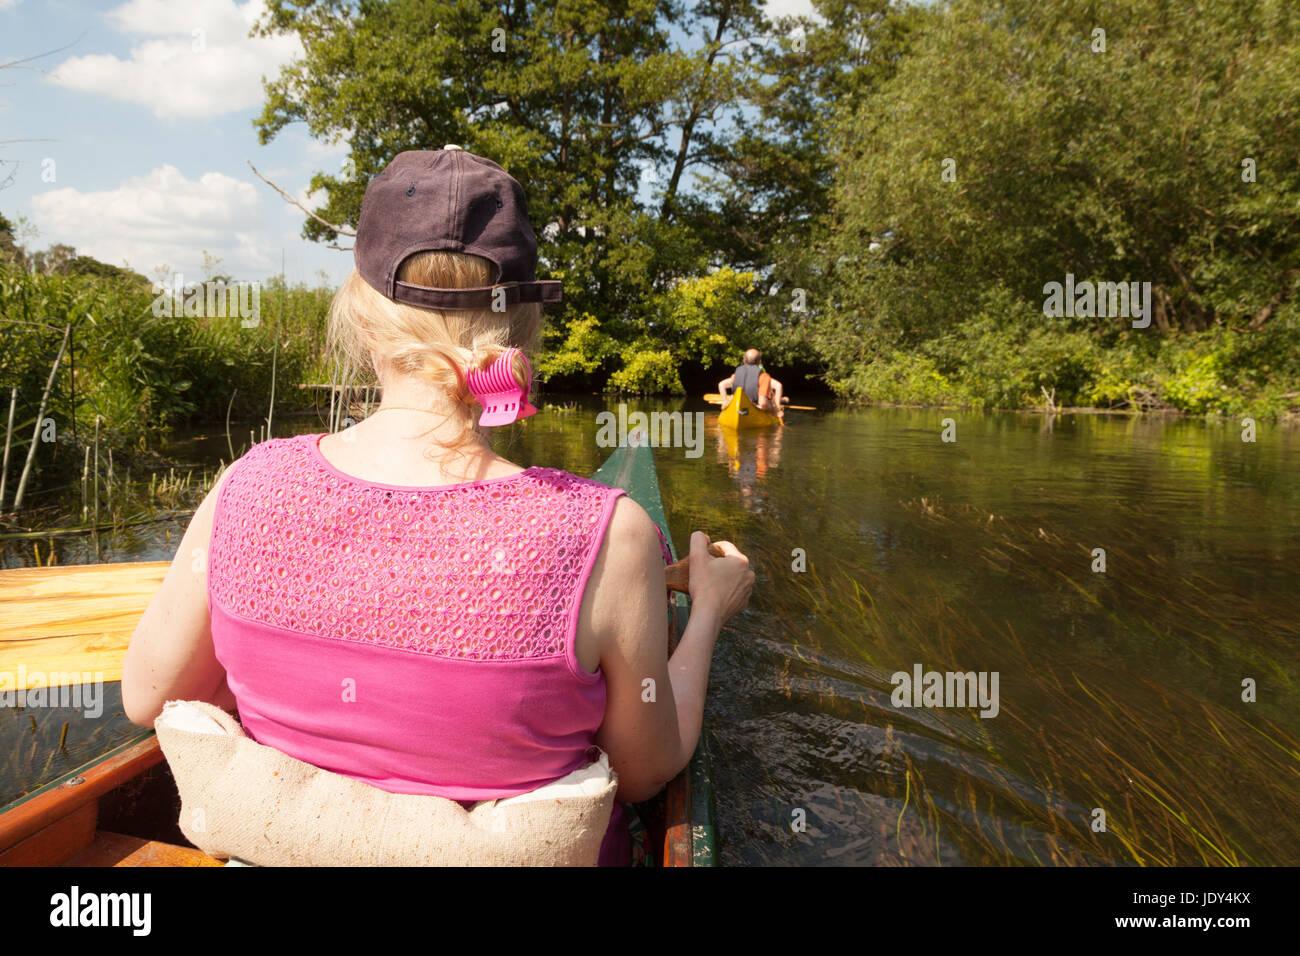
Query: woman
x=399, y=604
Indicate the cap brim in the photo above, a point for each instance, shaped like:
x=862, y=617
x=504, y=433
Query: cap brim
x=495, y=297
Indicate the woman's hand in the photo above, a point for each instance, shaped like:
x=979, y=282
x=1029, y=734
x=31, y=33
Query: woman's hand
x=722, y=585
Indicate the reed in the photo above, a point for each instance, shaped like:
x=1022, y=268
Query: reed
x=38, y=744
x=95, y=521
x=85, y=478
x=9, y=437
x=40, y=415
x=118, y=523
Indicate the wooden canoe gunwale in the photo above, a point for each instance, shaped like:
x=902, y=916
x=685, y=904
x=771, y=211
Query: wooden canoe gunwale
x=58, y=822
x=36, y=829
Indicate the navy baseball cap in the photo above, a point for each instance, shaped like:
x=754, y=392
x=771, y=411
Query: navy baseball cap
x=449, y=200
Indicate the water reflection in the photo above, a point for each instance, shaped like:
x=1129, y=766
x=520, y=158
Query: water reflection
x=1122, y=691
x=751, y=455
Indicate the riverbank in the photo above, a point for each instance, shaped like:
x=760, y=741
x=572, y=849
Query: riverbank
x=1290, y=418
x=1013, y=367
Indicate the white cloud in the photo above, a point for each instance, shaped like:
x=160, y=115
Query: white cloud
x=318, y=151
x=790, y=8
x=200, y=62
x=311, y=199
x=224, y=20
x=163, y=217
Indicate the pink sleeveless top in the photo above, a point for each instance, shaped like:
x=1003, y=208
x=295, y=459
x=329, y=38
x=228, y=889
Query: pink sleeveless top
x=418, y=639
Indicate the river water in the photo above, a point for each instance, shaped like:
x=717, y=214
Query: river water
x=1132, y=586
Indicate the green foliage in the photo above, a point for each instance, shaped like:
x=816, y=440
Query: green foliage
x=709, y=319
x=788, y=171
x=580, y=349
x=144, y=372
x=646, y=369
x=1197, y=388
x=701, y=321
x=1122, y=164
x=578, y=100
x=900, y=378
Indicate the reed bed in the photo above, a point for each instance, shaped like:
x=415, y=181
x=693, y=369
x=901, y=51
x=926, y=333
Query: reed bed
x=109, y=507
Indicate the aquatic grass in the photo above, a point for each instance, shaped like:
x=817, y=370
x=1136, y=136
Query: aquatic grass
x=1186, y=773
x=39, y=744
x=127, y=502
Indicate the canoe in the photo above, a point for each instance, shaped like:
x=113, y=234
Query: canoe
x=121, y=808
x=742, y=413
x=681, y=818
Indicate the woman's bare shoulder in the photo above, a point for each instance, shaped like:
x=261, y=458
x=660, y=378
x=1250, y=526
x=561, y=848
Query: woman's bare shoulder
x=628, y=570
x=632, y=534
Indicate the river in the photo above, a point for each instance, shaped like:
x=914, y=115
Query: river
x=1131, y=584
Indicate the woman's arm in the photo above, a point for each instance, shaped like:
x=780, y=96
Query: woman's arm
x=654, y=707
x=171, y=655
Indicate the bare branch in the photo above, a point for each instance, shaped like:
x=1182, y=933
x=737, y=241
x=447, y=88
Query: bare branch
x=18, y=64
x=290, y=198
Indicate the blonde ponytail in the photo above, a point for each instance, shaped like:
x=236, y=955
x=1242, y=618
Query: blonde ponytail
x=438, y=346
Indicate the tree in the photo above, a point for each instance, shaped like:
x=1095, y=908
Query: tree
x=9, y=249
x=575, y=99
x=1016, y=144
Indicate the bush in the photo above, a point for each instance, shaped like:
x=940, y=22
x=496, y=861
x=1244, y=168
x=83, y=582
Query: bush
x=899, y=378
x=142, y=372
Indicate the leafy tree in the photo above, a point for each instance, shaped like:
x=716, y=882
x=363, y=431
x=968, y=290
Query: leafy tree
x=577, y=99
x=1113, y=157
x=776, y=172
x=90, y=266
x=702, y=321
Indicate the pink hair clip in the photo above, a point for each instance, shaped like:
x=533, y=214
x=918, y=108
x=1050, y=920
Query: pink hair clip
x=495, y=388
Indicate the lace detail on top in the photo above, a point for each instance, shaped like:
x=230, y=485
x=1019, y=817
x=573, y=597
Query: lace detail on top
x=479, y=571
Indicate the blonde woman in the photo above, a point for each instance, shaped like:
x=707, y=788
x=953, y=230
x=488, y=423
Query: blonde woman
x=398, y=604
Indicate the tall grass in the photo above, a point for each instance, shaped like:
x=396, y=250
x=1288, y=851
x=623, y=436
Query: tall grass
x=139, y=374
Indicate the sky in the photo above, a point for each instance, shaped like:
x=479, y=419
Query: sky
x=130, y=139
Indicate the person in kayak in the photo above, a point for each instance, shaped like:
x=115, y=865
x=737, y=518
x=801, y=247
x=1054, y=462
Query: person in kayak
x=399, y=604
x=760, y=387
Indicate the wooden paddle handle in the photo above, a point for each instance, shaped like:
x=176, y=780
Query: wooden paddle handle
x=678, y=573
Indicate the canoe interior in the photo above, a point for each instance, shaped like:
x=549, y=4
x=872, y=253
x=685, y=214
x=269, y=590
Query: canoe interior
x=106, y=797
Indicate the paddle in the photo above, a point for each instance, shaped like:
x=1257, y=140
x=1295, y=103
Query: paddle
x=713, y=398
x=678, y=574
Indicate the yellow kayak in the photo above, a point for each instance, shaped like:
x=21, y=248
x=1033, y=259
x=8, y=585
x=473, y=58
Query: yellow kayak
x=742, y=413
